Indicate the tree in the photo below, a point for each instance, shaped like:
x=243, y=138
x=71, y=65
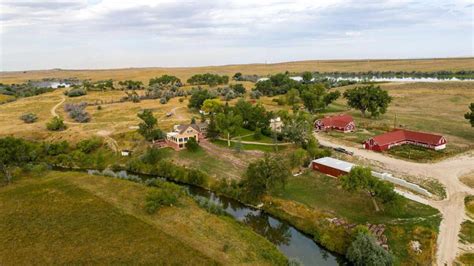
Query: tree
x=238, y=88
x=470, y=115
x=298, y=158
x=361, y=178
x=14, y=152
x=253, y=116
x=56, y=124
x=368, y=98
x=293, y=97
x=147, y=127
x=364, y=250
x=192, y=145
x=198, y=97
x=212, y=130
x=307, y=77
x=131, y=85
x=212, y=106
x=165, y=80
x=331, y=97
x=313, y=97
x=297, y=128
x=228, y=123
x=237, y=76
x=265, y=175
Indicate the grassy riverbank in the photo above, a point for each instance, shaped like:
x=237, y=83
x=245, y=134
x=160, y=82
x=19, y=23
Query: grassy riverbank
x=70, y=218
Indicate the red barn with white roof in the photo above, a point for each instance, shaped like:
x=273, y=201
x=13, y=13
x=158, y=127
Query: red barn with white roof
x=401, y=136
x=344, y=123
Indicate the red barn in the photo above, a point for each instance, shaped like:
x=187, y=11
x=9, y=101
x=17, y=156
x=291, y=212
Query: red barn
x=331, y=166
x=401, y=136
x=343, y=123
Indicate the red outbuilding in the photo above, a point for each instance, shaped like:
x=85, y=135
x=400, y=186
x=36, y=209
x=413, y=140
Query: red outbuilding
x=401, y=136
x=331, y=166
x=344, y=123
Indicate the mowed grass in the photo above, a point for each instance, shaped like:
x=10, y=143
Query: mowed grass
x=73, y=218
x=144, y=74
x=323, y=192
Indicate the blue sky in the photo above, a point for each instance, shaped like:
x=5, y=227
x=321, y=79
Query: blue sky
x=118, y=33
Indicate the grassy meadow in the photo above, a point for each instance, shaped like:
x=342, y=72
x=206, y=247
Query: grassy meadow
x=74, y=218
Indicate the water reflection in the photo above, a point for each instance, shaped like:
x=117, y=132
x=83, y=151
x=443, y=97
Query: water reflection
x=288, y=239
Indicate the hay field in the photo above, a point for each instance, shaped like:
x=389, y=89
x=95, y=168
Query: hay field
x=144, y=74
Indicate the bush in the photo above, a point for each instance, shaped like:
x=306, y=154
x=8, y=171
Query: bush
x=192, y=145
x=209, y=206
x=158, y=198
x=29, y=118
x=365, y=251
x=99, y=107
x=77, y=112
x=56, y=124
x=76, y=92
x=196, y=177
x=89, y=145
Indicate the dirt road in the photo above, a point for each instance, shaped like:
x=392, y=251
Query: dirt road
x=446, y=172
x=53, y=110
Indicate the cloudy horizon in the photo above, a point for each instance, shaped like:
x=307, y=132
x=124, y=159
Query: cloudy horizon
x=92, y=34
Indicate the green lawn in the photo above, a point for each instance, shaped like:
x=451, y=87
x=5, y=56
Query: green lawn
x=74, y=218
x=405, y=222
x=323, y=192
x=264, y=148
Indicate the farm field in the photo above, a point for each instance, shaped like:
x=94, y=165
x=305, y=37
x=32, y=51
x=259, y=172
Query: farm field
x=56, y=216
x=144, y=74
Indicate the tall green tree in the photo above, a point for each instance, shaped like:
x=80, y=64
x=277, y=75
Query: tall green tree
x=228, y=123
x=470, y=115
x=147, y=128
x=198, y=97
x=369, y=98
x=265, y=175
x=14, y=152
x=361, y=178
x=297, y=128
x=307, y=77
x=313, y=97
x=212, y=130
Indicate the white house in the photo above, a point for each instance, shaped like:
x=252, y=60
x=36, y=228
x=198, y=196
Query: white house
x=276, y=124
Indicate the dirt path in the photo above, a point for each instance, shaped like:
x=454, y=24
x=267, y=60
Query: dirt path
x=257, y=143
x=53, y=110
x=446, y=172
x=111, y=142
x=228, y=154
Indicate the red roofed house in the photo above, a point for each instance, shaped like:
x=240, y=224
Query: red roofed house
x=401, y=136
x=343, y=123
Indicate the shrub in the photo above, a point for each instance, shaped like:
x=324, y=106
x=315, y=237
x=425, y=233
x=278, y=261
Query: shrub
x=157, y=198
x=29, y=118
x=89, y=145
x=76, y=92
x=77, y=112
x=196, y=177
x=99, y=107
x=365, y=251
x=192, y=145
x=56, y=124
x=209, y=205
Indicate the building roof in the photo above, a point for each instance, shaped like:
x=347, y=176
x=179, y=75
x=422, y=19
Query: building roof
x=335, y=163
x=398, y=135
x=337, y=120
x=197, y=126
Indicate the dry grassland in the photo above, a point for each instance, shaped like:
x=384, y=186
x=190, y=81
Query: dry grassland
x=144, y=74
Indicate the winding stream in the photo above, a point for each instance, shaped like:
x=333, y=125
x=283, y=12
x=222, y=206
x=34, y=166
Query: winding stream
x=290, y=241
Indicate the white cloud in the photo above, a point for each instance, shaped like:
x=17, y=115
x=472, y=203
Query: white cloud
x=163, y=28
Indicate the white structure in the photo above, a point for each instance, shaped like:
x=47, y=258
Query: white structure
x=297, y=78
x=125, y=153
x=276, y=124
x=262, y=79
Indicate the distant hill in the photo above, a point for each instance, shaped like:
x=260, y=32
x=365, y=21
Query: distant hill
x=144, y=74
